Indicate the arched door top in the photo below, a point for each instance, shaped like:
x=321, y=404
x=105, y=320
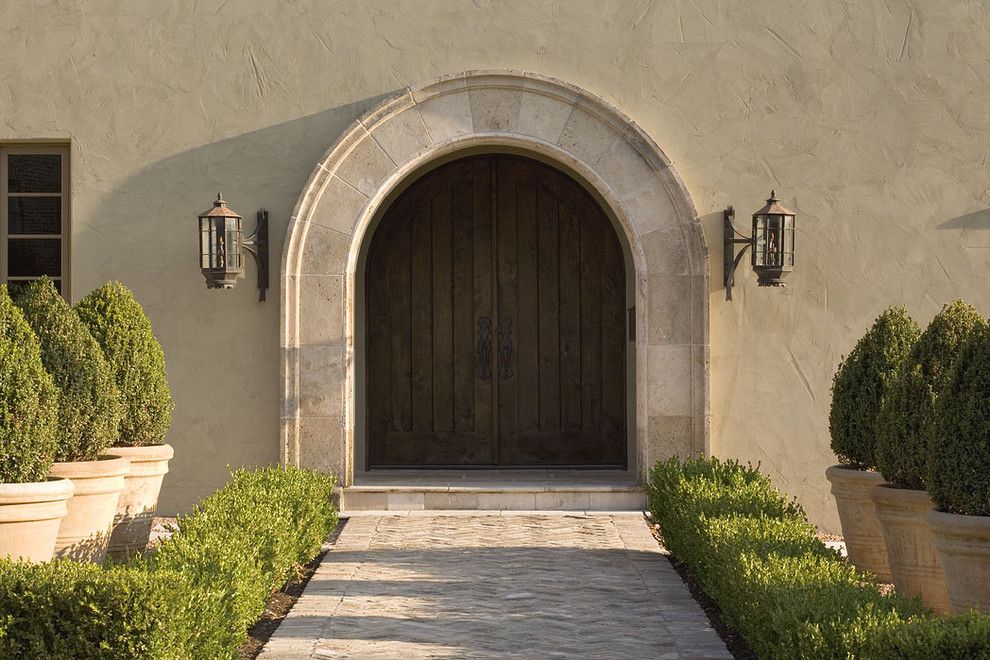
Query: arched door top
x=498, y=110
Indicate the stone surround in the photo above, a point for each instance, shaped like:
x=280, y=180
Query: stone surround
x=495, y=584
x=491, y=111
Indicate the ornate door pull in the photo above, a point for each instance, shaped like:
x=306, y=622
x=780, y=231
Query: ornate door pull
x=484, y=348
x=505, y=348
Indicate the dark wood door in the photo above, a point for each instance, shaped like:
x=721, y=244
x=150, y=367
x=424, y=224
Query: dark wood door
x=496, y=328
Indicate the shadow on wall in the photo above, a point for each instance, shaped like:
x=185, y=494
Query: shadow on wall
x=974, y=220
x=221, y=347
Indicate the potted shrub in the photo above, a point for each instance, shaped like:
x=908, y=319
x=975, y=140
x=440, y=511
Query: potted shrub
x=88, y=414
x=123, y=331
x=31, y=504
x=959, y=476
x=904, y=447
x=858, y=390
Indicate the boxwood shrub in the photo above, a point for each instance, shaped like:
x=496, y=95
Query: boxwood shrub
x=964, y=636
x=194, y=598
x=959, y=472
x=123, y=331
x=89, y=406
x=756, y=555
x=905, y=433
x=29, y=410
x=861, y=383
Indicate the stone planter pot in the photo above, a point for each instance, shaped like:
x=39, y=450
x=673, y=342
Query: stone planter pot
x=30, y=515
x=963, y=546
x=85, y=530
x=911, y=552
x=860, y=527
x=139, y=499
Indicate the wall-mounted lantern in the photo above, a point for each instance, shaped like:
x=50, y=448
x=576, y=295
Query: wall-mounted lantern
x=772, y=241
x=222, y=247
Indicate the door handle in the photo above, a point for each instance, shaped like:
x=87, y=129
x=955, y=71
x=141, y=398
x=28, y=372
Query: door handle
x=505, y=348
x=484, y=348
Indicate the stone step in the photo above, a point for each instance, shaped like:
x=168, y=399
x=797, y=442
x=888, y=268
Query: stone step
x=513, y=497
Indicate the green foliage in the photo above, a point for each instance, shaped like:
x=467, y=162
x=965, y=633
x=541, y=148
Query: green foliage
x=28, y=401
x=964, y=636
x=123, y=331
x=959, y=474
x=89, y=405
x=756, y=555
x=861, y=383
x=905, y=434
x=194, y=598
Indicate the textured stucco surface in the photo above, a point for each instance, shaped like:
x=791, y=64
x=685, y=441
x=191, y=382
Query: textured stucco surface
x=869, y=118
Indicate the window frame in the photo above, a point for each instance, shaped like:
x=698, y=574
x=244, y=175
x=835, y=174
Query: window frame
x=7, y=150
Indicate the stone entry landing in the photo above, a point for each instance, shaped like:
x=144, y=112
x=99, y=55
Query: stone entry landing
x=495, y=584
x=487, y=490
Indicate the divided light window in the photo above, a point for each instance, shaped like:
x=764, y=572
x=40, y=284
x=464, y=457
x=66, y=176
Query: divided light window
x=34, y=214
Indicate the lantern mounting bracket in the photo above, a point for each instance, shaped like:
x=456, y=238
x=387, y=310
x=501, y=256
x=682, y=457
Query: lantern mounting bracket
x=731, y=238
x=257, y=245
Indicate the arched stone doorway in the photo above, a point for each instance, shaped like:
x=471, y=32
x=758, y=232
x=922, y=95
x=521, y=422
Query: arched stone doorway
x=323, y=380
x=495, y=322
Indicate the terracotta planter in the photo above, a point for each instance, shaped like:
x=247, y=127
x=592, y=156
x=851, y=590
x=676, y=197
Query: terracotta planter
x=963, y=546
x=911, y=553
x=860, y=527
x=85, y=530
x=30, y=515
x=139, y=499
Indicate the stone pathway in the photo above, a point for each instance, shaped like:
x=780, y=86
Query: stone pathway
x=491, y=584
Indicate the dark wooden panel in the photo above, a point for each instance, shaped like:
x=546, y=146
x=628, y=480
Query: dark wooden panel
x=517, y=243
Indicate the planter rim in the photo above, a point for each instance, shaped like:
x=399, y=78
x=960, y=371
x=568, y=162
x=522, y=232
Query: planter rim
x=51, y=490
x=939, y=521
x=107, y=465
x=143, y=453
x=839, y=472
x=888, y=492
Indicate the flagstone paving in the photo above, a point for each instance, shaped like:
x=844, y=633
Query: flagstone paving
x=495, y=584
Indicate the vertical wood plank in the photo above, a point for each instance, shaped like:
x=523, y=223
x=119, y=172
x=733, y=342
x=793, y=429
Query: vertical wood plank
x=593, y=249
x=527, y=324
x=570, y=319
x=421, y=303
x=400, y=330
x=613, y=352
x=507, y=282
x=484, y=391
x=376, y=359
x=443, y=325
x=464, y=327
x=549, y=310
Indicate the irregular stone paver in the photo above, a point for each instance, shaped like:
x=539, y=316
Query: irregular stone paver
x=482, y=584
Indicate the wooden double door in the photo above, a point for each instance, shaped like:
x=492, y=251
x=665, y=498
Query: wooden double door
x=495, y=307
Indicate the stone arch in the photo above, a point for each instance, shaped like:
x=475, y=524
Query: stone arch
x=496, y=110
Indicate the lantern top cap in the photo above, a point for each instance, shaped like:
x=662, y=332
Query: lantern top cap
x=220, y=210
x=773, y=207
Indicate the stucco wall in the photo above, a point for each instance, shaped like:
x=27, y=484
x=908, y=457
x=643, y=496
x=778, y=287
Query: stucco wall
x=870, y=119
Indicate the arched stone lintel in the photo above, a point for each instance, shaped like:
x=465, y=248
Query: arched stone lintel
x=544, y=117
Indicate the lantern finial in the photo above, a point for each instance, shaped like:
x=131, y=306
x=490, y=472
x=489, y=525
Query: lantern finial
x=220, y=200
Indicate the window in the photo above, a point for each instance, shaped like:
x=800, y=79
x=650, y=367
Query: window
x=34, y=214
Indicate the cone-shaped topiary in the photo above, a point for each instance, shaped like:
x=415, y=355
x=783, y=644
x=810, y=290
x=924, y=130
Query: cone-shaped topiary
x=28, y=401
x=906, y=428
x=959, y=469
x=123, y=331
x=861, y=383
x=89, y=405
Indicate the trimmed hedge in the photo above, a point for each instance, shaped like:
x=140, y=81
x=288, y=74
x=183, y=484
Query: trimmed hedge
x=959, y=474
x=89, y=405
x=123, y=331
x=861, y=383
x=757, y=556
x=905, y=434
x=194, y=598
x=964, y=636
x=28, y=401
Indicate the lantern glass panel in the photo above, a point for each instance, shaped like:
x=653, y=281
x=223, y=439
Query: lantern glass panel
x=788, y=253
x=232, y=240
